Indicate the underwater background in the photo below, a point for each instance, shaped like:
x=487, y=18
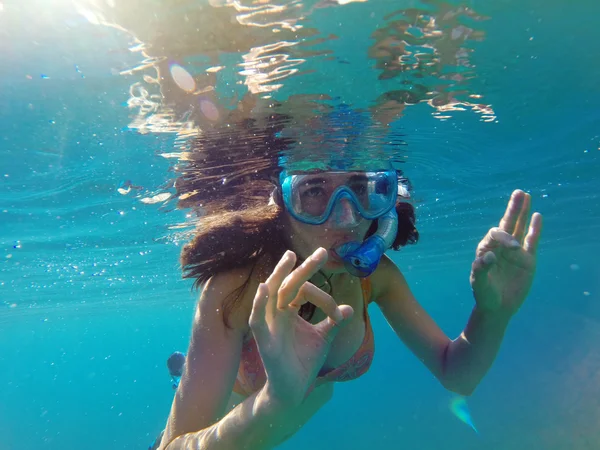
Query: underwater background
x=488, y=96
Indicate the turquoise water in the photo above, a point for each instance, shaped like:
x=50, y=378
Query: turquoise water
x=91, y=300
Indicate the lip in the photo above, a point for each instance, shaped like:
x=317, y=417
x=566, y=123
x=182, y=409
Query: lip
x=341, y=240
x=334, y=256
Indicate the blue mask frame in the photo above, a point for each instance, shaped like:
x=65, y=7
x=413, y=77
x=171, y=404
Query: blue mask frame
x=343, y=191
x=360, y=258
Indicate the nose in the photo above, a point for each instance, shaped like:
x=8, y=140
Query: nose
x=345, y=214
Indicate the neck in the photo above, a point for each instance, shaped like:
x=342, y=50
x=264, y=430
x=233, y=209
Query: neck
x=323, y=278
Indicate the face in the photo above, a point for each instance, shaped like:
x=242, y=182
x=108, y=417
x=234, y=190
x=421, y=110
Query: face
x=343, y=225
x=304, y=239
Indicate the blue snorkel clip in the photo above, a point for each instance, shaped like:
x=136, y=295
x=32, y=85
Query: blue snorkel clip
x=361, y=259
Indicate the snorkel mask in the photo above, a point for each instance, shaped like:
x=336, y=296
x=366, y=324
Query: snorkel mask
x=312, y=196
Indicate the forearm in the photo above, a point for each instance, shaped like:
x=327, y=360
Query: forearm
x=258, y=423
x=469, y=357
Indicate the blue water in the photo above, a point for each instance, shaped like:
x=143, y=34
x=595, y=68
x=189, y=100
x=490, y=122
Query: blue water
x=91, y=299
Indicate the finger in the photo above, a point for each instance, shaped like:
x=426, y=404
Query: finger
x=480, y=269
x=523, y=219
x=328, y=328
x=511, y=215
x=497, y=238
x=293, y=282
x=311, y=293
x=281, y=270
x=533, y=234
x=258, y=316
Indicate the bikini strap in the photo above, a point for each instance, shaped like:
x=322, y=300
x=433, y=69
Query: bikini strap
x=365, y=284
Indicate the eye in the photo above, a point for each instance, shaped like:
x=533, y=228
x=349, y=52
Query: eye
x=313, y=192
x=359, y=188
x=382, y=186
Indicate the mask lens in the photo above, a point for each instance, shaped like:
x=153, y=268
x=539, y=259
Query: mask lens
x=311, y=195
x=311, y=198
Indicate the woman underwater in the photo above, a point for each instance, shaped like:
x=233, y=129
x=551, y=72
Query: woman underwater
x=289, y=260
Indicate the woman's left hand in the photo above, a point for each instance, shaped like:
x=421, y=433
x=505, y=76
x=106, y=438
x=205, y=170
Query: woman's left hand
x=505, y=262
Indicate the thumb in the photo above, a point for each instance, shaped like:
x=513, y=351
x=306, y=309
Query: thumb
x=480, y=269
x=329, y=329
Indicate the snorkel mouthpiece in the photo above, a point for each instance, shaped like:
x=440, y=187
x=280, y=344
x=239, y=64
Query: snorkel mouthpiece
x=361, y=260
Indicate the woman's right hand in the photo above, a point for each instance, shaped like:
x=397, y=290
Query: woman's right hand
x=292, y=349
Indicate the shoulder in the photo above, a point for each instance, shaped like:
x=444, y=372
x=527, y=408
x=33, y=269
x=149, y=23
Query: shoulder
x=386, y=279
x=230, y=294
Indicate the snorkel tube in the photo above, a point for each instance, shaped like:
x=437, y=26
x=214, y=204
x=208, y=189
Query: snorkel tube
x=361, y=259
x=345, y=129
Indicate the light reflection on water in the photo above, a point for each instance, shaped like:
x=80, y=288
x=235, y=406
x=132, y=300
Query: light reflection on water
x=272, y=82
x=248, y=56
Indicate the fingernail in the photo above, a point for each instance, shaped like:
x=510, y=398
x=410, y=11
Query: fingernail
x=514, y=243
x=338, y=317
x=488, y=258
x=319, y=253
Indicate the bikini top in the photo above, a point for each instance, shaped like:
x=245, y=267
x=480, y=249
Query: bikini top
x=251, y=374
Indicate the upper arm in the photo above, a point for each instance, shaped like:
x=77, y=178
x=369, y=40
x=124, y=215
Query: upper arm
x=212, y=360
x=407, y=317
